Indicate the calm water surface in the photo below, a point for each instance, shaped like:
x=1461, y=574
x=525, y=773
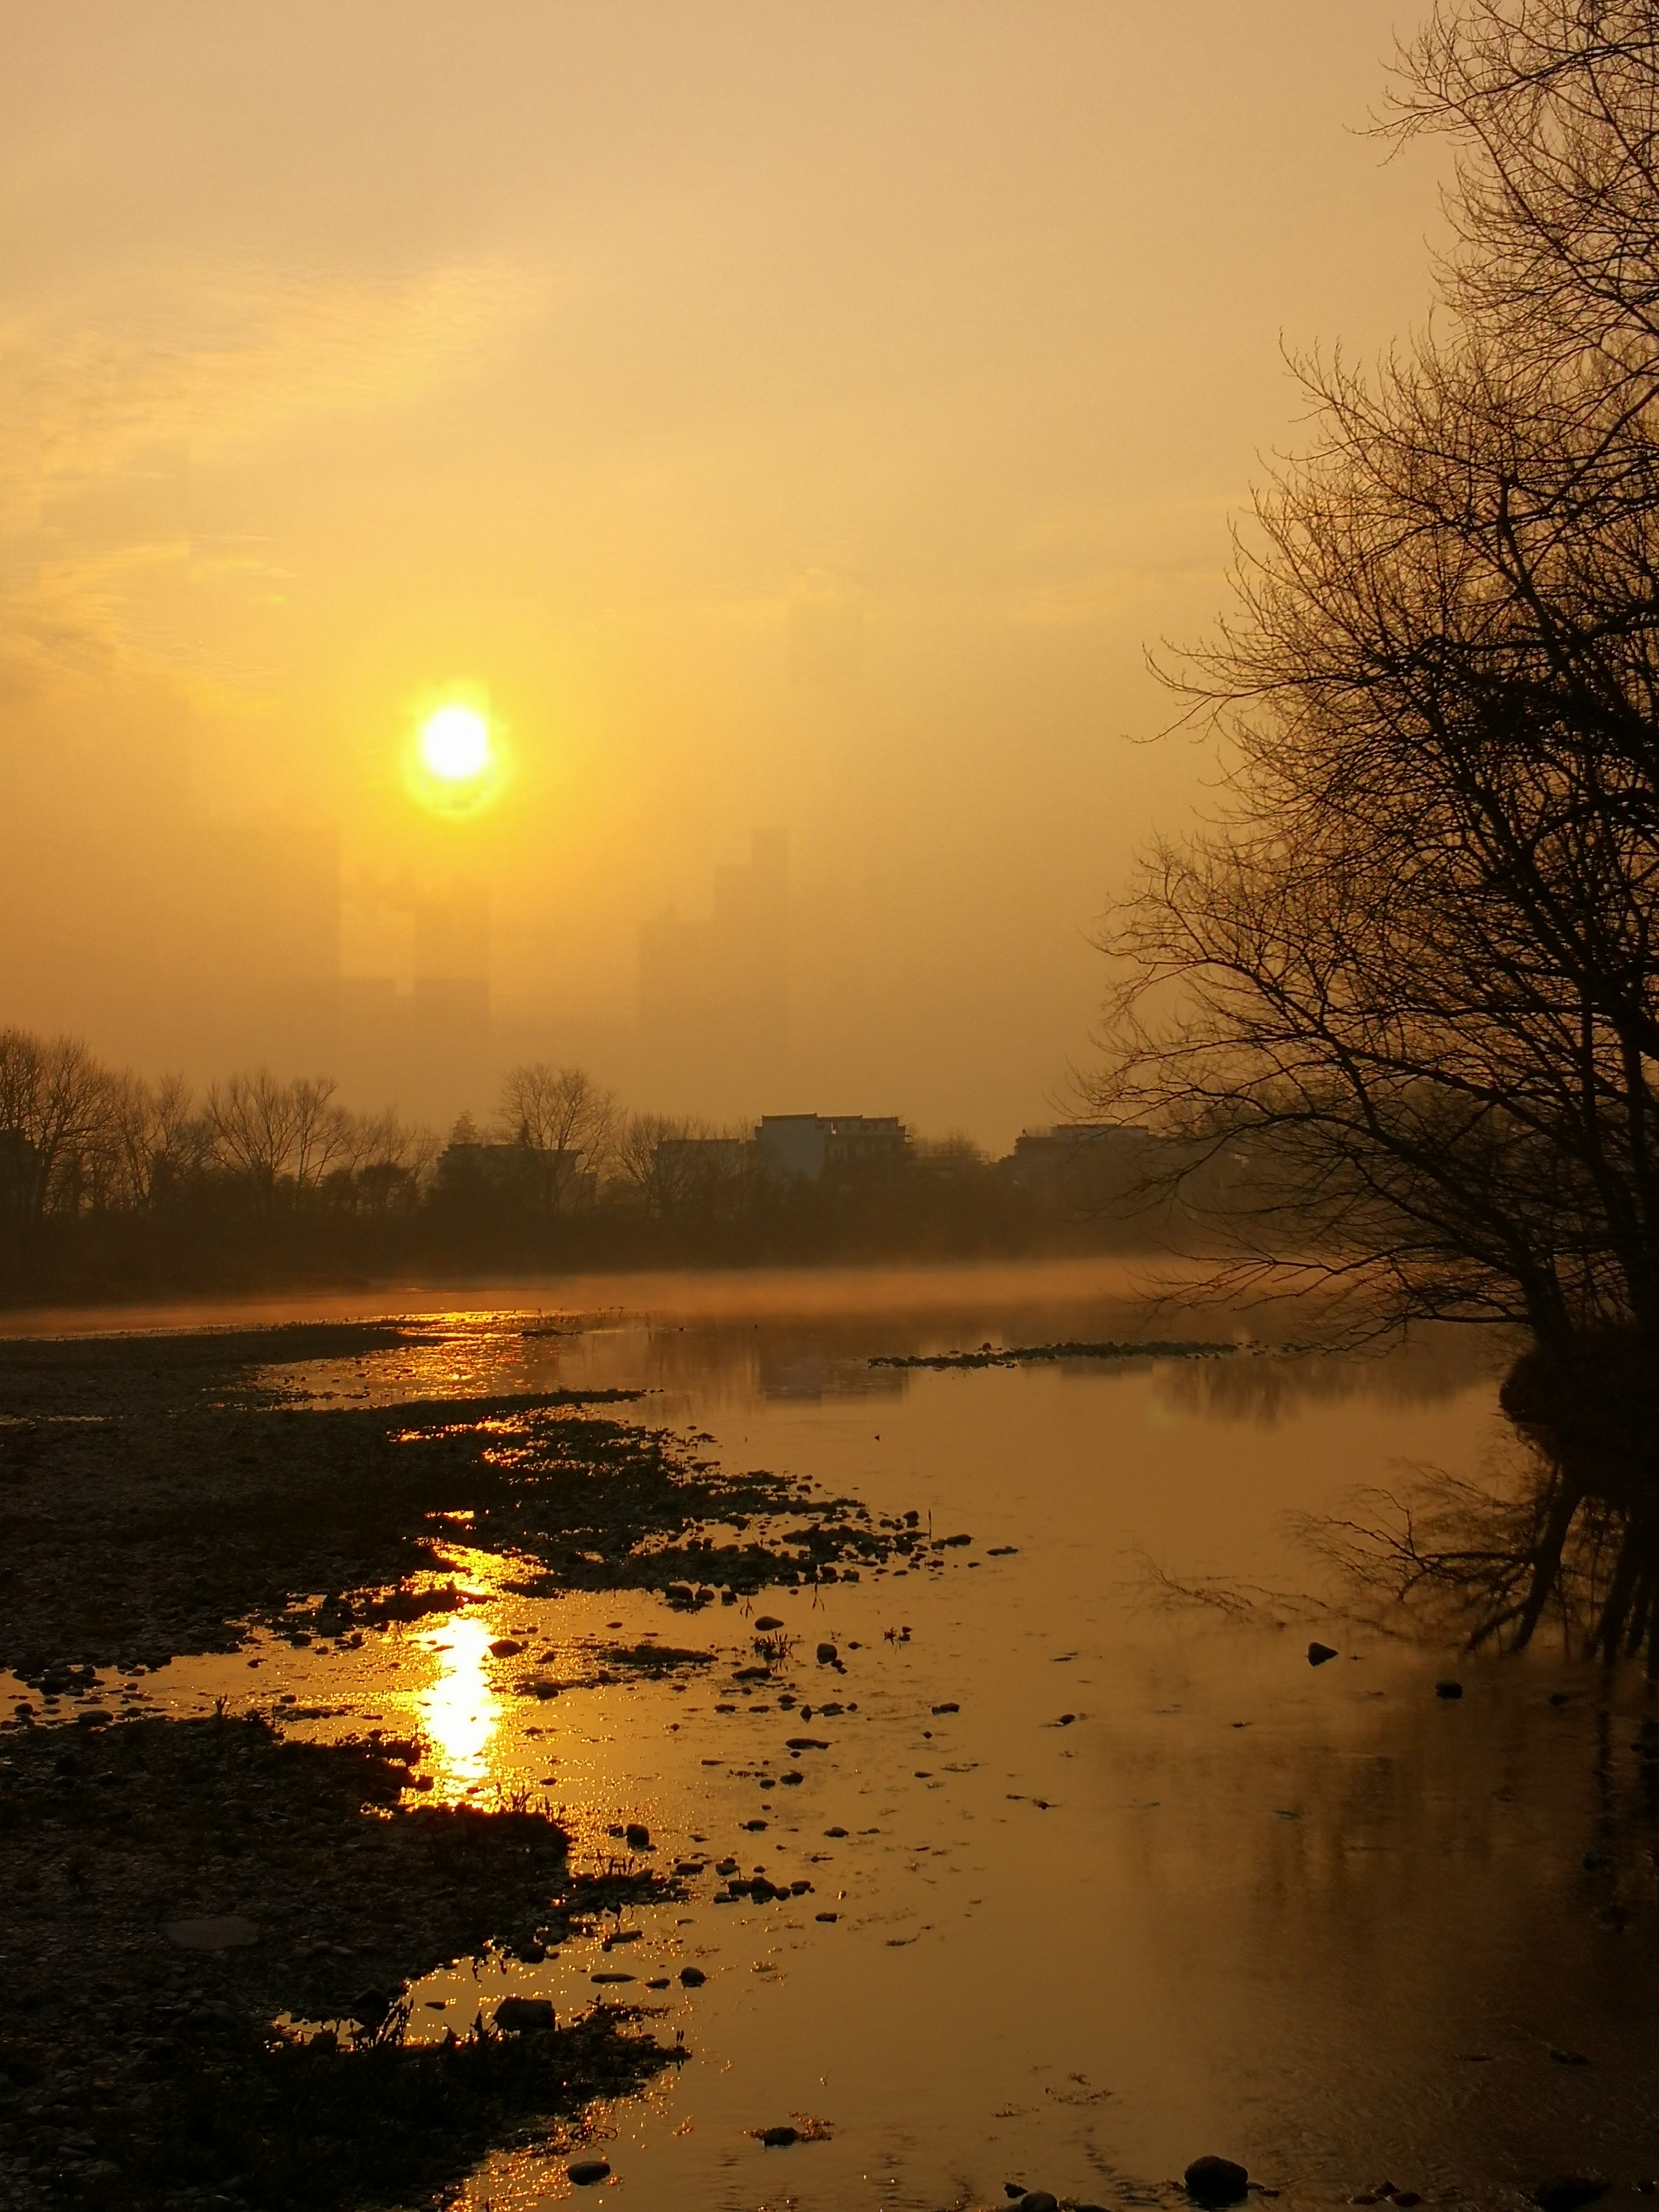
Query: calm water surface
x=1150, y=1887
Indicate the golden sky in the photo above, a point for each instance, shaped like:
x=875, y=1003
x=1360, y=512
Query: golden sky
x=794, y=414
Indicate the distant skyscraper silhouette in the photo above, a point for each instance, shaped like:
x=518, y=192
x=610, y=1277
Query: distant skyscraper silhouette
x=715, y=993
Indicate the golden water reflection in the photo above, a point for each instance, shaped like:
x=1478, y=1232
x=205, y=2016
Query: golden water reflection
x=459, y=1710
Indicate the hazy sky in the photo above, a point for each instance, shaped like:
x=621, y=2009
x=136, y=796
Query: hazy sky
x=799, y=414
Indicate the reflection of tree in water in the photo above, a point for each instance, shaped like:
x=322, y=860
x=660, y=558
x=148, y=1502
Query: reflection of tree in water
x=1570, y=1538
x=1427, y=1369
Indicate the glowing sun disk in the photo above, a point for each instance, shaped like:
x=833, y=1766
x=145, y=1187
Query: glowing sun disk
x=455, y=743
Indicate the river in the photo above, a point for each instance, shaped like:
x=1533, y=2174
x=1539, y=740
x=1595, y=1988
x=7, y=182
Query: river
x=1100, y=1880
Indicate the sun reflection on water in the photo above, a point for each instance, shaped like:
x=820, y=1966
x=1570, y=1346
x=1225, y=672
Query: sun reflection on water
x=459, y=1710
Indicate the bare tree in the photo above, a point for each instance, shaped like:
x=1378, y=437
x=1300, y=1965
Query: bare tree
x=567, y=1125
x=54, y=1104
x=675, y=1165
x=1553, y=106
x=383, y=1161
x=1410, y=975
x=275, y=1134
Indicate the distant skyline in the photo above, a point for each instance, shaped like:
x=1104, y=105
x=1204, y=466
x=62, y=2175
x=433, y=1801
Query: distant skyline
x=796, y=420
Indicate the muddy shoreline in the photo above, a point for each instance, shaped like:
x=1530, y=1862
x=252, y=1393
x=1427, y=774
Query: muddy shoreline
x=169, y=1497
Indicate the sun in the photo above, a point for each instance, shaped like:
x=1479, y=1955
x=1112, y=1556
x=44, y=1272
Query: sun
x=454, y=744
x=457, y=753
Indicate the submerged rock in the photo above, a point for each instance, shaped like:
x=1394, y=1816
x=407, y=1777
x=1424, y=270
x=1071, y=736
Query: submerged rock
x=587, y=2171
x=1214, y=2181
x=1449, y=1690
x=525, y=2016
x=1568, y=2192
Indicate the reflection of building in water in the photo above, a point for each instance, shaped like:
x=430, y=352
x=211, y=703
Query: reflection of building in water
x=415, y=996
x=715, y=993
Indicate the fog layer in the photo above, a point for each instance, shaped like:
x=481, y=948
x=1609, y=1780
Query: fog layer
x=793, y=421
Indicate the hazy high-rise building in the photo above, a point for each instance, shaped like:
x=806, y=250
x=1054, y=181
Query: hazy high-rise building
x=415, y=1012
x=715, y=992
x=262, y=973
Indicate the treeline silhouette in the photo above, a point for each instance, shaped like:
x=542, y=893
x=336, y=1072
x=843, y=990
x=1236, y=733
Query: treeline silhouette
x=1412, y=967
x=114, y=1187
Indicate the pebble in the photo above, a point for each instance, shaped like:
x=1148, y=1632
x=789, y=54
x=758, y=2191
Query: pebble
x=779, y=2138
x=525, y=2016
x=827, y=1654
x=637, y=1837
x=1319, y=1653
x=1449, y=1690
x=769, y=1620
x=692, y=1978
x=1215, y=2181
x=587, y=2171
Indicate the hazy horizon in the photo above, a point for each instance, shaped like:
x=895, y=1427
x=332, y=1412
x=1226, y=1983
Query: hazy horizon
x=794, y=422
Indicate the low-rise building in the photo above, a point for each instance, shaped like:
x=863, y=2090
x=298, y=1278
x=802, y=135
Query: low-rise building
x=558, y=1180
x=791, y=1145
x=1090, y=1166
